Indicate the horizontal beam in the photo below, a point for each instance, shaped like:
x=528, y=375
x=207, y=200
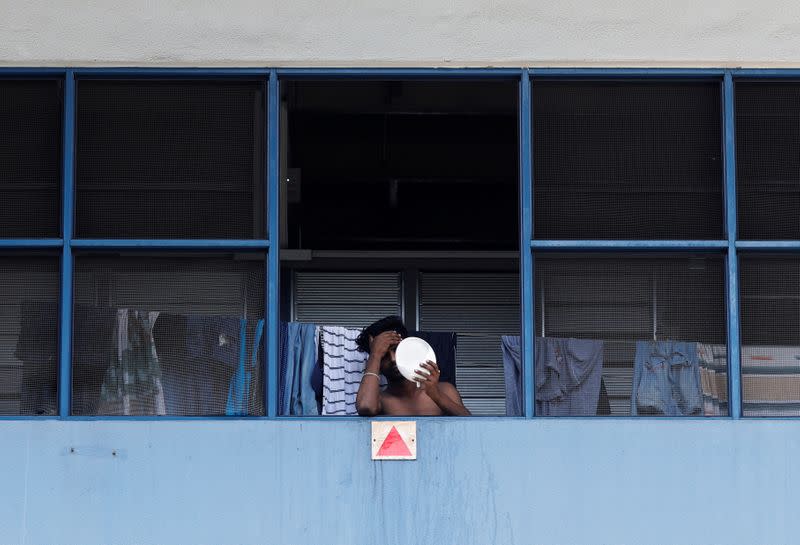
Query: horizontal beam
x=769, y=245
x=150, y=244
x=628, y=72
x=397, y=73
x=23, y=243
x=120, y=72
x=31, y=72
x=766, y=73
x=622, y=245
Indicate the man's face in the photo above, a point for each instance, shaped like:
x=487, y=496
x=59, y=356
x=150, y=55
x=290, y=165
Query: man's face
x=389, y=365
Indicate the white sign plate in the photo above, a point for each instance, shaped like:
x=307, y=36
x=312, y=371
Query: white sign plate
x=394, y=440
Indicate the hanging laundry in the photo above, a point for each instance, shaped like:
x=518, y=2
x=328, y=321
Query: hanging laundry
x=512, y=367
x=239, y=391
x=298, y=359
x=132, y=383
x=444, y=346
x=568, y=376
x=666, y=379
x=568, y=373
x=37, y=349
x=343, y=367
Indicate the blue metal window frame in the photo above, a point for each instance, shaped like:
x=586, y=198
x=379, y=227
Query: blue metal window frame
x=528, y=244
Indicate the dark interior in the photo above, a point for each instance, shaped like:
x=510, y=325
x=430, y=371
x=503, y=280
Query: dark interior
x=416, y=165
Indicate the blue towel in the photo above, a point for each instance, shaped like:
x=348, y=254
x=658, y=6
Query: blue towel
x=239, y=390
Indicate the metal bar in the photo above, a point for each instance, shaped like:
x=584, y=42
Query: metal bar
x=67, y=194
x=31, y=72
x=31, y=243
x=389, y=73
x=766, y=73
x=168, y=244
x=769, y=245
x=734, y=363
x=273, y=255
x=627, y=72
x=658, y=245
x=526, y=234
x=167, y=72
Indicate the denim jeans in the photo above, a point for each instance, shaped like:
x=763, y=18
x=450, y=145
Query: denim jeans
x=301, y=358
x=666, y=379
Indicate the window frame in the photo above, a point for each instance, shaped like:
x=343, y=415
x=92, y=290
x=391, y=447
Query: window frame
x=729, y=245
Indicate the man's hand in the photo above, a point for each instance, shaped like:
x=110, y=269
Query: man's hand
x=380, y=345
x=429, y=382
x=444, y=395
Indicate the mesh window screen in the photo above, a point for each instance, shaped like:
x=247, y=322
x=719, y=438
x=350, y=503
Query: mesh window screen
x=627, y=160
x=30, y=158
x=168, y=335
x=770, y=330
x=768, y=160
x=620, y=335
x=29, y=288
x=170, y=159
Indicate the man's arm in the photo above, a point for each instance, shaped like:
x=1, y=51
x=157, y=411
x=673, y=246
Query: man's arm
x=444, y=394
x=368, y=399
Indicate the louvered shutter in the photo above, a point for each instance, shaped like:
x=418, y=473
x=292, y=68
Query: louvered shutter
x=480, y=308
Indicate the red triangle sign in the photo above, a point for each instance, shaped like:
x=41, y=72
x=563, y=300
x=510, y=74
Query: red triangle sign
x=394, y=445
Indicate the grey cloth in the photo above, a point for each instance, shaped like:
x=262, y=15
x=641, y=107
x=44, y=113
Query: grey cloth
x=568, y=374
x=512, y=367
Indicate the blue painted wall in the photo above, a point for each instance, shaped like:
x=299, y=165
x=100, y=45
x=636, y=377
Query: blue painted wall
x=487, y=481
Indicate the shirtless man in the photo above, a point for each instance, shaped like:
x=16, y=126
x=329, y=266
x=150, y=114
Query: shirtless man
x=402, y=397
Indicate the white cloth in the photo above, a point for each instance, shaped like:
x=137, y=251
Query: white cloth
x=342, y=369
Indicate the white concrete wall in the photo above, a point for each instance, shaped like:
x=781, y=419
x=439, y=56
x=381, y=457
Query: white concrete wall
x=393, y=33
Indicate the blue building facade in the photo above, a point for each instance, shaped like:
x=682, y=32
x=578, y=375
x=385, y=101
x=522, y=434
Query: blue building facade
x=77, y=471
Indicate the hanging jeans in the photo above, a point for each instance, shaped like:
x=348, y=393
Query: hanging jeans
x=568, y=374
x=300, y=355
x=666, y=379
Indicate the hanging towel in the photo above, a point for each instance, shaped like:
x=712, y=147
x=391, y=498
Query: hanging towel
x=444, y=345
x=299, y=358
x=343, y=367
x=239, y=390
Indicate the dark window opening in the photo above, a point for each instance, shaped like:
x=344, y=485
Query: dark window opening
x=402, y=165
x=401, y=198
